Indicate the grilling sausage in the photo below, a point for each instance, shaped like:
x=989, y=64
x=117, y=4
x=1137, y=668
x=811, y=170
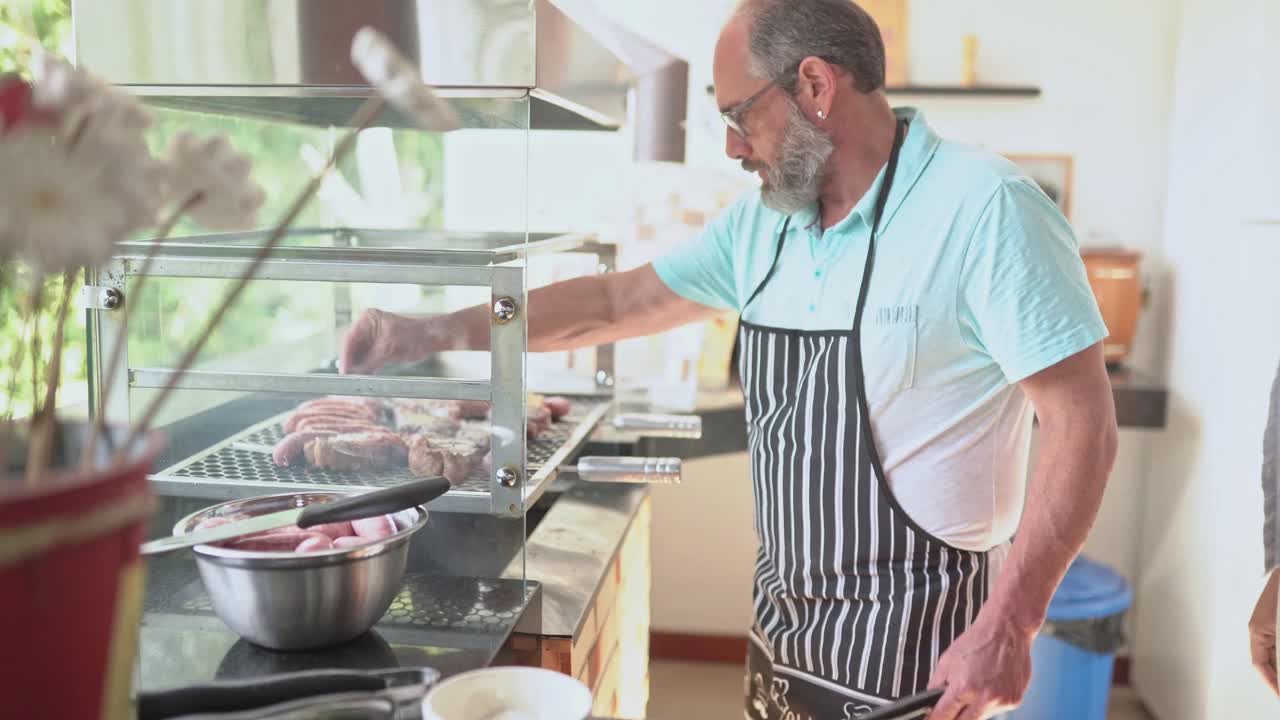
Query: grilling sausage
x=374, y=528
x=272, y=542
x=315, y=542
x=289, y=451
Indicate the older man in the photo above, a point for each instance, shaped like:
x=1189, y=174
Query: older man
x=906, y=303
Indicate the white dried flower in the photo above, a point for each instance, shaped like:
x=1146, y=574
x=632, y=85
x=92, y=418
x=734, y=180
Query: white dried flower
x=85, y=105
x=211, y=168
x=60, y=209
x=399, y=82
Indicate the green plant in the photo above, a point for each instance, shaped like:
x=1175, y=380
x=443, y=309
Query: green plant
x=23, y=25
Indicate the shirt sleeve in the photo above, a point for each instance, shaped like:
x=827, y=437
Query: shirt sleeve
x=1024, y=294
x=1271, y=479
x=702, y=269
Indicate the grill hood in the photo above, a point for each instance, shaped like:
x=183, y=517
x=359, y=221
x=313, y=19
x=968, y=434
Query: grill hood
x=289, y=60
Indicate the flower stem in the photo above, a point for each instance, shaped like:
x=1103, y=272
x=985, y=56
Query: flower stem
x=24, y=337
x=44, y=420
x=6, y=419
x=365, y=115
x=37, y=352
x=117, y=353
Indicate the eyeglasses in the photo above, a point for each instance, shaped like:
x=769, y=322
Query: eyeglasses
x=733, y=116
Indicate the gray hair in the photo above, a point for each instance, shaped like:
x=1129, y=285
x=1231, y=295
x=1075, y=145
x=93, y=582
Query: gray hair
x=785, y=32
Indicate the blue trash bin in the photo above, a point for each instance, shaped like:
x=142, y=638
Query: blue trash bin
x=1074, y=655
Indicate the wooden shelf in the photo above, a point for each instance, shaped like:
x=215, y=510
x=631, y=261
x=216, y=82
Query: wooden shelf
x=963, y=91
x=1141, y=402
x=991, y=91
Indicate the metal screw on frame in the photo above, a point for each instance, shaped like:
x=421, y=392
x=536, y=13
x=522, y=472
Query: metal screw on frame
x=112, y=298
x=504, y=310
x=507, y=477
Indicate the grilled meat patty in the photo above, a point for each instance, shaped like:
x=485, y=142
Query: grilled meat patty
x=357, y=452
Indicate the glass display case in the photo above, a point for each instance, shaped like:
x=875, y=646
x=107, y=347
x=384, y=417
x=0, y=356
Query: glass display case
x=277, y=349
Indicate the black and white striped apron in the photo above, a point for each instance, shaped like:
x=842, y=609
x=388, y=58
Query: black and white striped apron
x=854, y=603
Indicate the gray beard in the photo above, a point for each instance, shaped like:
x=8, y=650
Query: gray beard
x=793, y=183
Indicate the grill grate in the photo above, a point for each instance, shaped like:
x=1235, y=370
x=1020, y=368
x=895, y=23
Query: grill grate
x=247, y=459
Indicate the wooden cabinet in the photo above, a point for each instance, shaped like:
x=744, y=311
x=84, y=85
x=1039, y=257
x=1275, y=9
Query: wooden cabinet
x=610, y=652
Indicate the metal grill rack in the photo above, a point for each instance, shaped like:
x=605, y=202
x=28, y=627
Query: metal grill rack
x=241, y=466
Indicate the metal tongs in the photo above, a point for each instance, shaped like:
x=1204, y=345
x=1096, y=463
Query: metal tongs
x=640, y=470
x=393, y=694
x=913, y=707
x=634, y=470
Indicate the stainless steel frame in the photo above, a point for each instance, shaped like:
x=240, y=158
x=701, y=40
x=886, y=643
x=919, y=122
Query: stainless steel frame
x=480, y=260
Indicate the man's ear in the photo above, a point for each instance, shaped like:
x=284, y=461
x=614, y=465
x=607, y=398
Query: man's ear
x=816, y=89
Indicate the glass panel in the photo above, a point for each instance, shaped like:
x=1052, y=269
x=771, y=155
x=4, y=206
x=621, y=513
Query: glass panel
x=388, y=230
x=393, y=178
x=279, y=326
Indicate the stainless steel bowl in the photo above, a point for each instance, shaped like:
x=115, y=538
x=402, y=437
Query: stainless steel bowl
x=286, y=601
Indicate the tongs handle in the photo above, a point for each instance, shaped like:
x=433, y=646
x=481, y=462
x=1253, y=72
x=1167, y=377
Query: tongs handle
x=908, y=708
x=685, y=427
x=338, y=706
x=641, y=470
x=236, y=695
x=375, y=502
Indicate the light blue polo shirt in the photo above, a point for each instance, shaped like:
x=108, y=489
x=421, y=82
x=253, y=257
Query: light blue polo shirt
x=978, y=284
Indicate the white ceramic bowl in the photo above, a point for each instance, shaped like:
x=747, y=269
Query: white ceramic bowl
x=521, y=693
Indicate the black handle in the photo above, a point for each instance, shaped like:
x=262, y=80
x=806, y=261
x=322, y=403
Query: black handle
x=239, y=695
x=908, y=707
x=378, y=502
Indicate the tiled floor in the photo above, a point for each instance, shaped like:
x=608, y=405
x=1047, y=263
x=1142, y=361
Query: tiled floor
x=682, y=691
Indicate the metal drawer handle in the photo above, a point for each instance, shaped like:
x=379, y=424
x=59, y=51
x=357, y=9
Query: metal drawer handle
x=645, y=470
x=657, y=425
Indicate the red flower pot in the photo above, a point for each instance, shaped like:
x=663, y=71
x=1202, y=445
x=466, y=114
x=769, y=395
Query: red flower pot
x=71, y=585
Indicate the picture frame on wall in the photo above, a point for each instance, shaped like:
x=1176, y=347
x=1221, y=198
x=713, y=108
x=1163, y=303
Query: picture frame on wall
x=1052, y=172
x=891, y=17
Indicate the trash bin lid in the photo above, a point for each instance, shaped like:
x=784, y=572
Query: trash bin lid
x=1090, y=590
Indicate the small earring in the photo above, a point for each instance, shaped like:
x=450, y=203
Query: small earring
x=822, y=115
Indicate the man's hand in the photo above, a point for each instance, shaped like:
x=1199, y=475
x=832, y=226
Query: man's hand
x=378, y=339
x=1262, y=632
x=985, y=671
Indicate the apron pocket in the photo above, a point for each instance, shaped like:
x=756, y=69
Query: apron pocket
x=893, y=361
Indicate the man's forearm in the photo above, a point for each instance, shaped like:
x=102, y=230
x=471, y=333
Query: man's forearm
x=584, y=312
x=562, y=316
x=1070, y=475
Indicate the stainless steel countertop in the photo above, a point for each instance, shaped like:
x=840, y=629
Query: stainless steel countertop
x=571, y=550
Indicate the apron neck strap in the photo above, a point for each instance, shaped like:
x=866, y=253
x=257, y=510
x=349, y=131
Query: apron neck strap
x=882, y=199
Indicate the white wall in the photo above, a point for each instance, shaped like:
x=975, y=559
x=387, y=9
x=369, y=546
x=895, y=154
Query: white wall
x=1201, y=546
